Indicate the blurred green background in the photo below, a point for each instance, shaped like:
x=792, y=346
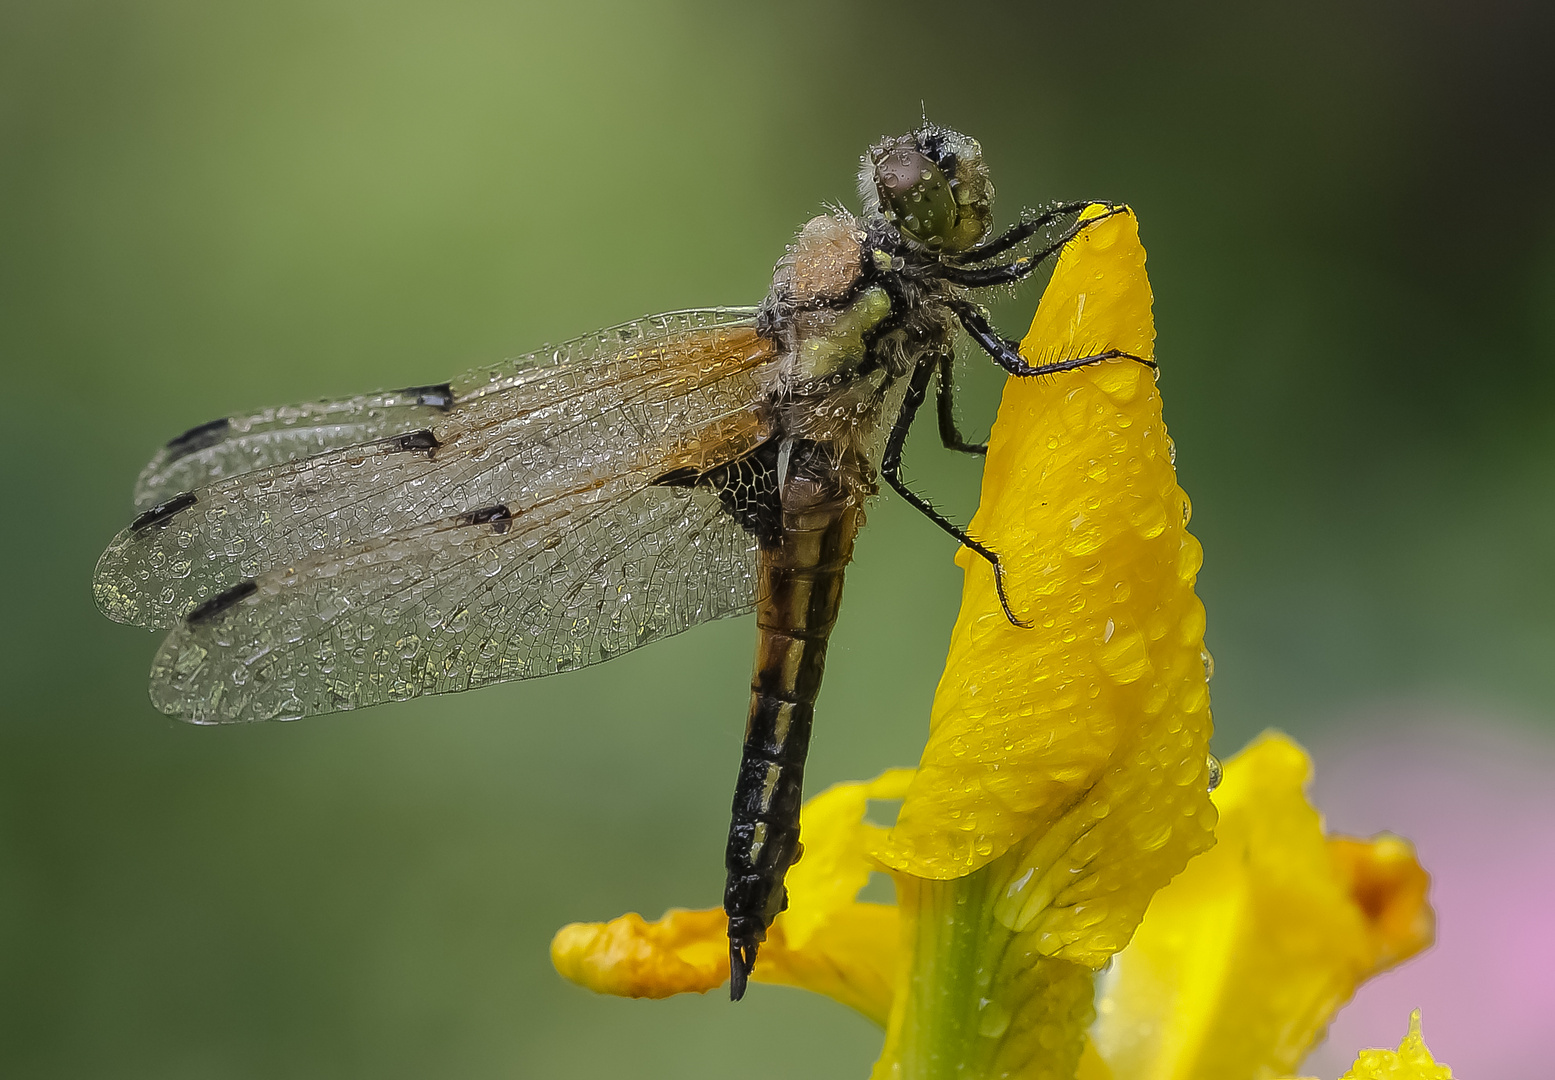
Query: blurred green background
x=208, y=206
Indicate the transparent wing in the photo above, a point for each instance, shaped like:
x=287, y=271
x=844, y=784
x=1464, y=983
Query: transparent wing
x=642, y=399
x=460, y=603
x=234, y=445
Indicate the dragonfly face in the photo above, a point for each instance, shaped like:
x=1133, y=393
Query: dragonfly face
x=932, y=186
x=559, y=509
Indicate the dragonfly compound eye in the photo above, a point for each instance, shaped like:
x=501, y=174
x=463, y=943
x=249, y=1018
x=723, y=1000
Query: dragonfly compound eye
x=933, y=186
x=916, y=197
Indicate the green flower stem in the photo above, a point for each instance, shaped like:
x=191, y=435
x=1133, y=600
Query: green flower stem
x=981, y=1003
x=950, y=934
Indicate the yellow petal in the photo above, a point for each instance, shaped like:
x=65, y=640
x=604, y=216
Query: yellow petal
x=852, y=958
x=684, y=952
x=1092, y=1066
x=835, y=865
x=1241, y=962
x=1389, y=886
x=1411, y=1061
x=826, y=941
x=1084, y=735
x=1065, y=776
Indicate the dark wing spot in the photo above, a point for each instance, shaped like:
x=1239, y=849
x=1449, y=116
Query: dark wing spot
x=198, y=438
x=162, y=513
x=747, y=487
x=439, y=396
x=498, y=517
x=685, y=476
x=417, y=440
x=221, y=602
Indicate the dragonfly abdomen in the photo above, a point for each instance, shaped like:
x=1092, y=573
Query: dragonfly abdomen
x=799, y=590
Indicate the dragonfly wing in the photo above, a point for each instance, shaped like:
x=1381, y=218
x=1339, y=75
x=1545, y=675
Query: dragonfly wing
x=460, y=603
x=235, y=445
x=645, y=398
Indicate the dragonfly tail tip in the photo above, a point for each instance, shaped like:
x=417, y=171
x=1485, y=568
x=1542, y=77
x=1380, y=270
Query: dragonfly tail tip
x=742, y=958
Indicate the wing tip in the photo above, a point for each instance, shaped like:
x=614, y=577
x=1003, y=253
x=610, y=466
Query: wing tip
x=117, y=596
x=112, y=600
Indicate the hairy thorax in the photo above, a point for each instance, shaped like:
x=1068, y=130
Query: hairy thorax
x=847, y=337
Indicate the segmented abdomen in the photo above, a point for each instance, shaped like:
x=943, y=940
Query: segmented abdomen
x=799, y=589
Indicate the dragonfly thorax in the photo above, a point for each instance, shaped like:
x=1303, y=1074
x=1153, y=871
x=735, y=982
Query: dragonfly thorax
x=852, y=314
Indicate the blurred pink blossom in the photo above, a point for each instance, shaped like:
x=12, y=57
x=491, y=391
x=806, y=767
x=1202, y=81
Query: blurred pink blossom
x=1476, y=794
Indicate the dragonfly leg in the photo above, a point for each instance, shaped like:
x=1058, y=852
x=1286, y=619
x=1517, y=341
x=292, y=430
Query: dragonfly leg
x=983, y=276
x=1023, y=231
x=978, y=277
x=1007, y=352
x=945, y=403
x=891, y=469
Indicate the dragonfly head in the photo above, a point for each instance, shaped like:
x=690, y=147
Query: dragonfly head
x=932, y=185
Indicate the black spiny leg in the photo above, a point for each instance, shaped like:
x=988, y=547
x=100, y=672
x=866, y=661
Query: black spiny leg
x=891, y=469
x=945, y=402
x=1016, y=233
x=1007, y=353
x=983, y=276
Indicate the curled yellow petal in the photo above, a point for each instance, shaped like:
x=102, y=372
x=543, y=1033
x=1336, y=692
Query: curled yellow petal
x=1411, y=1061
x=1241, y=962
x=826, y=942
x=1388, y=886
x=851, y=958
x=684, y=952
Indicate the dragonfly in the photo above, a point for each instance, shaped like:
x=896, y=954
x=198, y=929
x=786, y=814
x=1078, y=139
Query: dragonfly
x=559, y=509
